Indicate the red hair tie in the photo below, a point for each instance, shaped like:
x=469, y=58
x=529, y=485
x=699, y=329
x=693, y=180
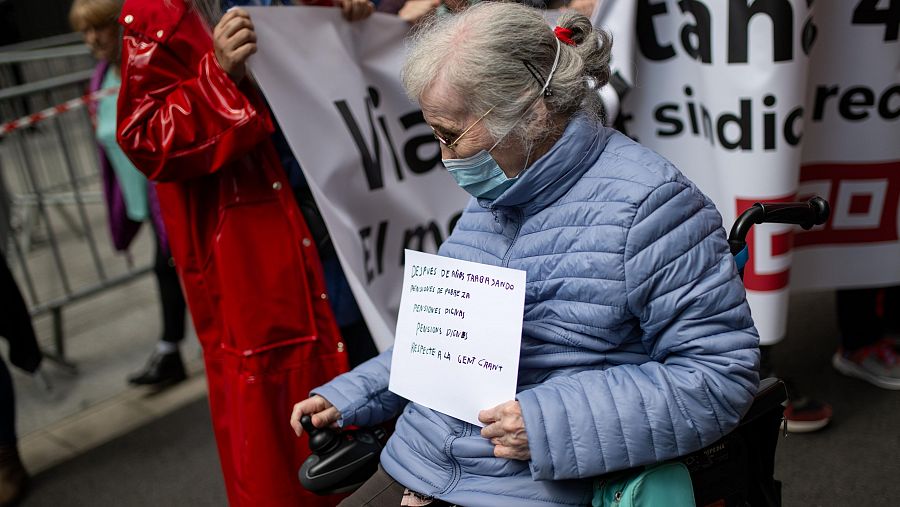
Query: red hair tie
x=565, y=35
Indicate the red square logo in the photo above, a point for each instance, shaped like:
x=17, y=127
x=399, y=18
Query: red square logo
x=863, y=199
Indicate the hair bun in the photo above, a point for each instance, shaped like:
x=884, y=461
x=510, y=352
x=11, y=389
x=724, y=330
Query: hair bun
x=578, y=26
x=592, y=46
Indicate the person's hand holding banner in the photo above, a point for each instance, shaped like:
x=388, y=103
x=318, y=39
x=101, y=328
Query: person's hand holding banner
x=356, y=10
x=414, y=10
x=234, y=40
x=583, y=7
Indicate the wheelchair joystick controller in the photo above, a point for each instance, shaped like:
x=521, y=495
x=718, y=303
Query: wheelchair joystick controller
x=321, y=441
x=341, y=460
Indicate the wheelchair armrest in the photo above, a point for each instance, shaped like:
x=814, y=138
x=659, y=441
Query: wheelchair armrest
x=739, y=468
x=771, y=396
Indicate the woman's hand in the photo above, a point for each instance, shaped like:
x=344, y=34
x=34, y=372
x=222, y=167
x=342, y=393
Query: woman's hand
x=505, y=427
x=414, y=10
x=234, y=40
x=355, y=10
x=321, y=410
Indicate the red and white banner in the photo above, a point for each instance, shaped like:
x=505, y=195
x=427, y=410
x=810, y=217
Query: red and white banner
x=771, y=100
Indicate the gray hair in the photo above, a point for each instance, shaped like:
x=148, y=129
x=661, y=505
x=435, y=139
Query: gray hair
x=483, y=54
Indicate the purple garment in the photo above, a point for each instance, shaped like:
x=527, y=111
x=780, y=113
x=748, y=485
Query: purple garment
x=121, y=228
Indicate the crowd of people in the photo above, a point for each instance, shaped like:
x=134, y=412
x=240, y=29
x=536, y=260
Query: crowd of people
x=638, y=345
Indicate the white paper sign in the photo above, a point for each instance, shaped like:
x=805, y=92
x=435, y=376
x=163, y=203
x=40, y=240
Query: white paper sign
x=459, y=331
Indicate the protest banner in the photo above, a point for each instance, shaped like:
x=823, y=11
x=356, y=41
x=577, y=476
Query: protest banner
x=772, y=100
x=372, y=162
x=753, y=100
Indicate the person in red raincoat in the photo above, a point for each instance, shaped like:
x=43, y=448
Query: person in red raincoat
x=250, y=270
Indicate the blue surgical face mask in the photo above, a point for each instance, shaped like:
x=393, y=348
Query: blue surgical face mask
x=479, y=175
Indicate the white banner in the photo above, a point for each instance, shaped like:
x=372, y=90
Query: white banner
x=370, y=158
x=773, y=100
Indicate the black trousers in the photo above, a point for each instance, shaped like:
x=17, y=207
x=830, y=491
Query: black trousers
x=864, y=315
x=15, y=326
x=171, y=297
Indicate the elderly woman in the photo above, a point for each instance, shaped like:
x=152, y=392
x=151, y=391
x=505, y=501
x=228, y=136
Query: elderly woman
x=637, y=343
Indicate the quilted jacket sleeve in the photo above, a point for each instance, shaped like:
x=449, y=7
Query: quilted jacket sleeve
x=180, y=120
x=683, y=287
x=362, y=396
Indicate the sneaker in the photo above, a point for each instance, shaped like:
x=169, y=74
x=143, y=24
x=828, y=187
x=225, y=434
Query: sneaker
x=877, y=364
x=803, y=415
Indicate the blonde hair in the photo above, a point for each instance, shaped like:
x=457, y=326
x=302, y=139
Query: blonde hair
x=85, y=14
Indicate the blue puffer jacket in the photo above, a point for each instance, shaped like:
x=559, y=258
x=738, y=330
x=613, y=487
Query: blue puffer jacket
x=637, y=344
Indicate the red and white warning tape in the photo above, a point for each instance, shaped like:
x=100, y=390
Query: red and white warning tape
x=11, y=126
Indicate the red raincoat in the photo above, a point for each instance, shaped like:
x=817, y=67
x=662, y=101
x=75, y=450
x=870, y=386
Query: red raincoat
x=250, y=271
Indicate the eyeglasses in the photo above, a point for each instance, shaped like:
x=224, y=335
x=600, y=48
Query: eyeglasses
x=452, y=144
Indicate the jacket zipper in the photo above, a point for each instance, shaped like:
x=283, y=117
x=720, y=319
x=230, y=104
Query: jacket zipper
x=456, y=469
x=519, y=216
x=467, y=429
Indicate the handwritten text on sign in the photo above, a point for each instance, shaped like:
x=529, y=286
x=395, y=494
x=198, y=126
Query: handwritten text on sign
x=456, y=349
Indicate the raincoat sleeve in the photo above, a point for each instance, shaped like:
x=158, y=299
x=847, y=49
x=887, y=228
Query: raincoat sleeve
x=684, y=289
x=180, y=120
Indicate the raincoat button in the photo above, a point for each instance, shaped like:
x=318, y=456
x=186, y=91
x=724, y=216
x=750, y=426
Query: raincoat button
x=324, y=296
x=276, y=185
x=128, y=19
x=306, y=242
x=340, y=346
x=159, y=34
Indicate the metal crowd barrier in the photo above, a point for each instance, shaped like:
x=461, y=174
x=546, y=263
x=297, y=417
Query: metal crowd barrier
x=52, y=216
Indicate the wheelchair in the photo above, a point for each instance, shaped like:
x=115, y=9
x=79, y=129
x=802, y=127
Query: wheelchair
x=737, y=470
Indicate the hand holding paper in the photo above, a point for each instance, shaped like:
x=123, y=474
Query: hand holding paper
x=505, y=427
